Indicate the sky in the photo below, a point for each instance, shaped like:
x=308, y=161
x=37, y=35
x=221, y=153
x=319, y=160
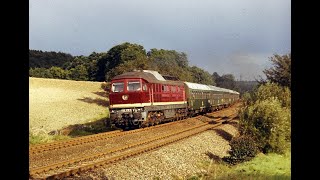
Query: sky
x=223, y=36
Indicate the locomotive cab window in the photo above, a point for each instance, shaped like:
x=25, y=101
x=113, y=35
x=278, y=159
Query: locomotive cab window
x=144, y=87
x=134, y=86
x=117, y=87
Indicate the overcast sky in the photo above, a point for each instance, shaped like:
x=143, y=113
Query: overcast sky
x=224, y=36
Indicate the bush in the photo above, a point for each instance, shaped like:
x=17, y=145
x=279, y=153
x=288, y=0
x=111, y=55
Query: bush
x=269, y=123
x=271, y=90
x=243, y=148
x=246, y=98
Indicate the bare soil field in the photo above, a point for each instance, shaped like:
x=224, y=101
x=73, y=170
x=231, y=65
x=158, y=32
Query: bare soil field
x=55, y=104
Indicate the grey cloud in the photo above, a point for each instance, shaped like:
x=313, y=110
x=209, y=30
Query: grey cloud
x=208, y=31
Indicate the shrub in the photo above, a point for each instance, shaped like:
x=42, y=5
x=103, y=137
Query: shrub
x=246, y=98
x=271, y=90
x=269, y=123
x=243, y=148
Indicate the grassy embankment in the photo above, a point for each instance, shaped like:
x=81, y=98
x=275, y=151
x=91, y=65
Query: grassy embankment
x=262, y=167
x=61, y=109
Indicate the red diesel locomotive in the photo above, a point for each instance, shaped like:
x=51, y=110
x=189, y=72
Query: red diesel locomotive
x=143, y=98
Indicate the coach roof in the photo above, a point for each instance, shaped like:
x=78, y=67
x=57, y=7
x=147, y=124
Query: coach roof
x=197, y=86
x=201, y=86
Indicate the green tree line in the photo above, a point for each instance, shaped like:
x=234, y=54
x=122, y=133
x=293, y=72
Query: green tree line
x=122, y=58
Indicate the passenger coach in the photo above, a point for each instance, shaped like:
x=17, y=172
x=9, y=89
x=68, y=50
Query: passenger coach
x=203, y=98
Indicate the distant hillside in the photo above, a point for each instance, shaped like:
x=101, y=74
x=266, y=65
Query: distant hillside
x=43, y=59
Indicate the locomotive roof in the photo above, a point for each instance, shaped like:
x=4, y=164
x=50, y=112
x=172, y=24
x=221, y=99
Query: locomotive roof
x=148, y=75
x=208, y=87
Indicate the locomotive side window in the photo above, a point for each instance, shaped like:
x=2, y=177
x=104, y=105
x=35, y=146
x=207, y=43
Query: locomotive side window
x=134, y=86
x=117, y=87
x=165, y=88
x=174, y=88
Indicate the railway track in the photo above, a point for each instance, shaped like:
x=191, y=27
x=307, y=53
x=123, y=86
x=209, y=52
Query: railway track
x=88, y=139
x=35, y=149
x=69, y=167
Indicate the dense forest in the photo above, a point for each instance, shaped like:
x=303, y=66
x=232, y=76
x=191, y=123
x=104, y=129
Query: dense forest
x=126, y=57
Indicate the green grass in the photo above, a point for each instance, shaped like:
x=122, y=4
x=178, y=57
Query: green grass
x=262, y=167
x=270, y=164
x=45, y=138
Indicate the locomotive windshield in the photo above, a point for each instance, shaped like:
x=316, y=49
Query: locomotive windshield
x=117, y=87
x=134, y=86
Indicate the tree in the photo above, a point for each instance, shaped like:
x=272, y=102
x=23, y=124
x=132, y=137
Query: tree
x=137, y=64
x=267, y=117
x=46, y=60
x=79, y=73
x=215, y=77
x=38, y=72
x=57, y=73
x=280, y=73
x=170, y=62
x=227, y=81
x=224, y=81
x=117, y=55
x=201, y=76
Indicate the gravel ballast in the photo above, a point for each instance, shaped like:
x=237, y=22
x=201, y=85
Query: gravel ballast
x=181, y=159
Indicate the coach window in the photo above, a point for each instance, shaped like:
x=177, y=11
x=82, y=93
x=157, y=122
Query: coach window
x=117, y=87
x=134, y=86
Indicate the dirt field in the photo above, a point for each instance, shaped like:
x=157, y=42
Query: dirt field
x=54, y=104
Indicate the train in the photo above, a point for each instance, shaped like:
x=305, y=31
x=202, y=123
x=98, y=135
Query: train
x=143, y=98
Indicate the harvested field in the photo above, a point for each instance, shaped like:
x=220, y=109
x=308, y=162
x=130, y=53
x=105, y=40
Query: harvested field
x=55, y=103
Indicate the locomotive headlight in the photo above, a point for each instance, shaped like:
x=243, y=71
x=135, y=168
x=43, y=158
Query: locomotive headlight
x=125, y=97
